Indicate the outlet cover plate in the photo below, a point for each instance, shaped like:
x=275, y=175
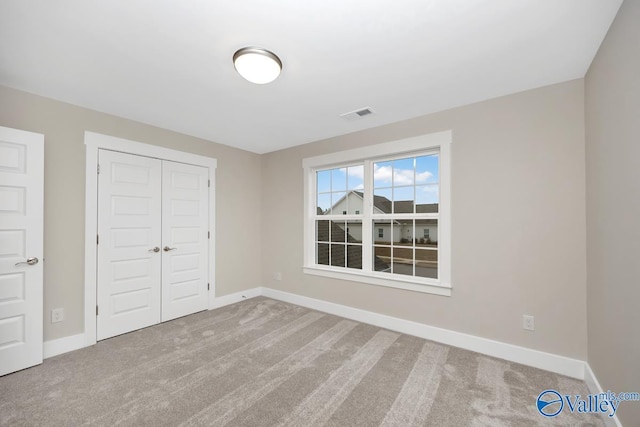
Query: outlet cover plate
x=528, y=322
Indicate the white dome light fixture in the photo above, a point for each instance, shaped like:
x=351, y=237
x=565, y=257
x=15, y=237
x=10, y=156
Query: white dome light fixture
x=257, y=65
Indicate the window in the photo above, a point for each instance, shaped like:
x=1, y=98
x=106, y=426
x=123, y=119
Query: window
x=405, y=200
x=380, y=214
x=338, y=243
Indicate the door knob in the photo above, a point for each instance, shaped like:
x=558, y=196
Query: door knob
x=167, y=249
x=156, y=249
x=29, y=261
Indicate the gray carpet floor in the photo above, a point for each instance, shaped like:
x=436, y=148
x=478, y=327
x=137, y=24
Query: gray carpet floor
x=266, y=363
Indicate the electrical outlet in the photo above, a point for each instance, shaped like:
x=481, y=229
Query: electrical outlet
x=277, y=276
x=57, y=315
x=528, y=322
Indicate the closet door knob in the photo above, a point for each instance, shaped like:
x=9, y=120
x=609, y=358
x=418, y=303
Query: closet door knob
x=156, y=249
x=167, y=249
x=30, y=261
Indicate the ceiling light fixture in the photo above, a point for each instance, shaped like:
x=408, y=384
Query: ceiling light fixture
x=257, y=65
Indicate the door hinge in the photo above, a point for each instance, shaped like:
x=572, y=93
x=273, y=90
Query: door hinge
x=98, y=168
x=209, y=183
x=97, y=239
x=208, y=234
x=208, y=286
x=96, y=310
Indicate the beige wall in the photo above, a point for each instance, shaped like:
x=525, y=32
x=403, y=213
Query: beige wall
x=518, y=180
x=612, y=92
x=238, y=176
x=518, y=224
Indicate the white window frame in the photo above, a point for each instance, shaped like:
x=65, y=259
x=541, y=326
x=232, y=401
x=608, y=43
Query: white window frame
x=406, y=147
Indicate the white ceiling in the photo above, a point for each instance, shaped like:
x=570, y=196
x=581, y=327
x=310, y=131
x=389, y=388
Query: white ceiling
x=168, y=62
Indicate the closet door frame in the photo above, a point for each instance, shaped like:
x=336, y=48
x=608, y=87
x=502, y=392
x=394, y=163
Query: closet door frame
x=94, y=142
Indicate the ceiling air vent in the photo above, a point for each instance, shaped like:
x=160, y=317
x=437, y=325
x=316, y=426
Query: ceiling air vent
x=357, y=114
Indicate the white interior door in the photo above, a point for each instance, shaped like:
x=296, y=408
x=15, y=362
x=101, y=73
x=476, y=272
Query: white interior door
x=21, y=219
x=129, y=240
x=185, y=219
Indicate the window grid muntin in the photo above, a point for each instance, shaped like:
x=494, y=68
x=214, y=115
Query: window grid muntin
x=335, y=193
x=377, y=190
x=396, y=248
x=330, y=243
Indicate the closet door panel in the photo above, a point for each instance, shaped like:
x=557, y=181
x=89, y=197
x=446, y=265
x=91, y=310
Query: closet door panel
x=129, y=239
x=185, y=222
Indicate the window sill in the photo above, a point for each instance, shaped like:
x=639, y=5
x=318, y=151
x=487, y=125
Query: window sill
x=427, y=287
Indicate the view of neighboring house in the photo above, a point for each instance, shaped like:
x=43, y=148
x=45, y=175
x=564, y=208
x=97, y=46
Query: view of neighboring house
x=401, y=246
x=387, y=231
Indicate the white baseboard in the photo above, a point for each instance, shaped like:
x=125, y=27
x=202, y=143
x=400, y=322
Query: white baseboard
x=234, y=298
x=63, y=345
x=595, y=388
x=550, y=362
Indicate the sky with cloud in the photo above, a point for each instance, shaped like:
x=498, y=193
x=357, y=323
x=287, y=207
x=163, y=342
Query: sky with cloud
x=414, y=178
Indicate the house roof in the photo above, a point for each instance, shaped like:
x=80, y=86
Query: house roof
x=384, y=205
x=338, y=235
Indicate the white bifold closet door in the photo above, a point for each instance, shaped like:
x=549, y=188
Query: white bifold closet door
x=185, y=211
x=152, y=241
x=129, y=239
